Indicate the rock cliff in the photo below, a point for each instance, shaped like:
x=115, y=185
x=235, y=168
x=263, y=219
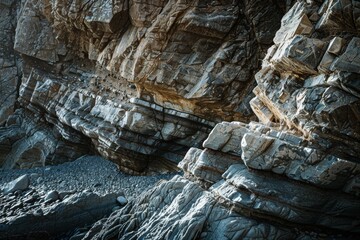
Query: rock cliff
x=140, y=83
x=257, y=102
x=292, y=175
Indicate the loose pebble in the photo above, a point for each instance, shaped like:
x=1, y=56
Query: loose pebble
x=51, y=196
x=32, y=191
x=122, y=200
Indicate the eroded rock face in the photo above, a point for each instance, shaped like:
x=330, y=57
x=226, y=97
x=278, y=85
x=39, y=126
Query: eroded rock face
x=52, y=218
x=292, y=175
x=141, y=89
x=10, y=72
x=28, y=140
x=229, y=188
x=308, y=83
x=180, y=209
x=143, y=82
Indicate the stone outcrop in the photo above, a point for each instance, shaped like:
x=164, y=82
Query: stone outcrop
x=181, y=209
x=28, y=141
x=292, y=175
x=223, y=195
x=308, y=84
x=138, y=83
x=10, y=65
x=179, y=84
x=51, y=218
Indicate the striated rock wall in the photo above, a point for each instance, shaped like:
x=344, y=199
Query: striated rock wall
x=308, y=82
x=10, y=65
x=223, y=195
x=292, y=175
x=151, y=85
x=140, y=83
x=181, y=54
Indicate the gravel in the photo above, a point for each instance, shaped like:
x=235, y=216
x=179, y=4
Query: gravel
x=32, y=195
x=88, y=173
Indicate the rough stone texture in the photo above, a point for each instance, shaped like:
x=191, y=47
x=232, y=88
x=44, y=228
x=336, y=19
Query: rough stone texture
x=27, y=140
x=21, y=183
x=57, y=199
x=294, y=175
x=338, y=16
x=10, y=71
x=180, y=209
x=308, y=83
x=77, y=209
x=142, y=81
x=146, y=82
x=223, y=194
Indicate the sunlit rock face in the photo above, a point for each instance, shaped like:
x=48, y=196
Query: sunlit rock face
x=137, y=82
x=308, y=80
x=293, y=174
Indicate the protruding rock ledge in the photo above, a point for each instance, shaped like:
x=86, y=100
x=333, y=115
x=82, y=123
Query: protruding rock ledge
x=296, y=174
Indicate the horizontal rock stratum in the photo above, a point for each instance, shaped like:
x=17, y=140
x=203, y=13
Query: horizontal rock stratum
x=257, y=102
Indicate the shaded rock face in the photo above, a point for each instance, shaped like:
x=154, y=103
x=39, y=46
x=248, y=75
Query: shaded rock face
x=55, y=202
x=10, y=66
x=138, y=83
x=76, y=209
x=292, y=175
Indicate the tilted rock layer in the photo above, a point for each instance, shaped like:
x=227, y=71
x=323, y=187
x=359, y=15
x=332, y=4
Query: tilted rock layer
x=293, y=175
x=140, y=83
x=151, y=85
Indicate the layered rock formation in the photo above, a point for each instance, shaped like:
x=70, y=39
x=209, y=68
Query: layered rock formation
x=294, y=175
x=140, y=83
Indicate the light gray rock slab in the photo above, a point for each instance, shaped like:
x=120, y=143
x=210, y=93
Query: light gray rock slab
x=21, y=183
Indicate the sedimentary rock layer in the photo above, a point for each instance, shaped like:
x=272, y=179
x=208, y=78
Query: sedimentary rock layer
x=143, y=82
x=292, y=175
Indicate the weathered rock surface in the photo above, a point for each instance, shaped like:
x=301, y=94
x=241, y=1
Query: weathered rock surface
x=143, y=82
x=27, y=140
x=75, y=210
x=308, y=83
x=21, y=183
x=10, y=67
x=294, y=175
x=58, y=199
x=296, y=193
x=180, y=209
